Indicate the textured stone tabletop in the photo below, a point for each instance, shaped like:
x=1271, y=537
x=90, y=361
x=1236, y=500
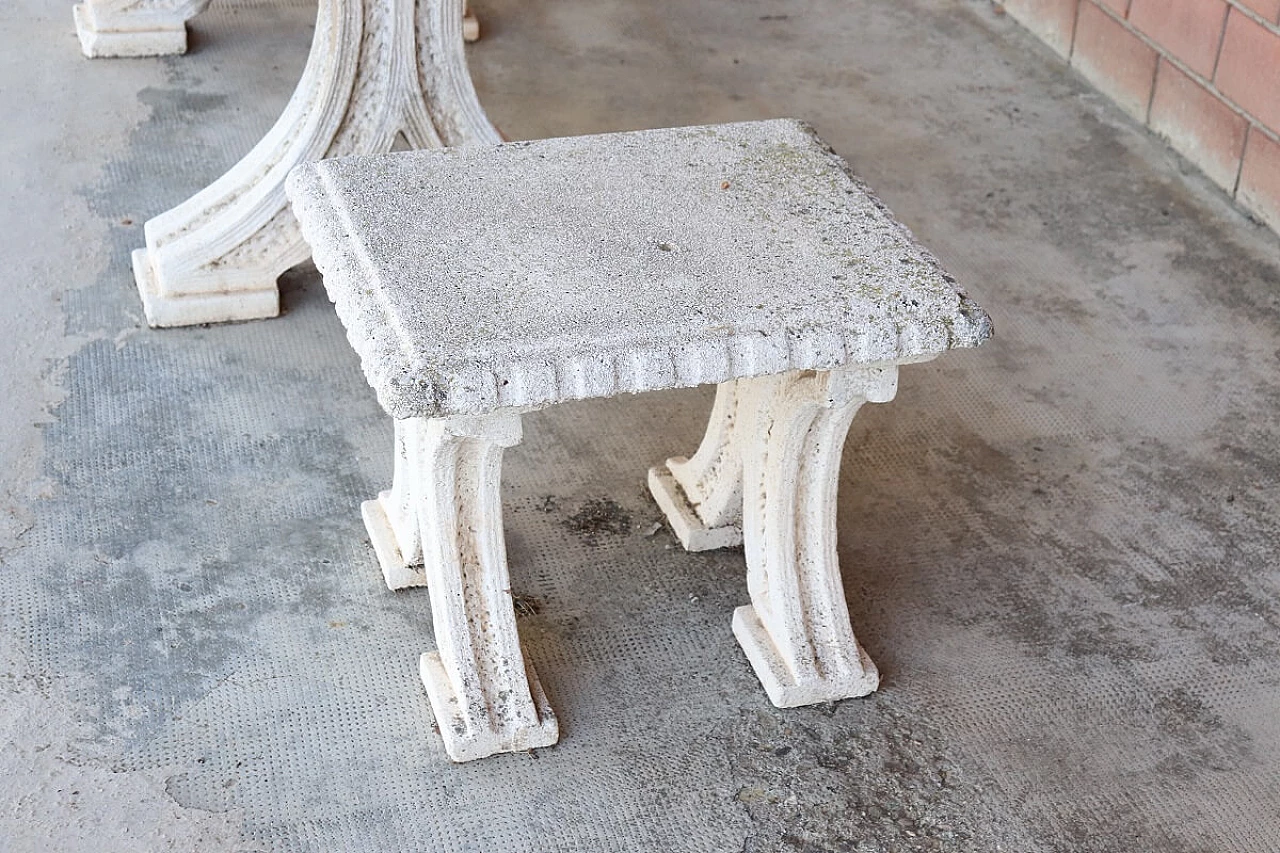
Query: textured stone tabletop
x=528, y=273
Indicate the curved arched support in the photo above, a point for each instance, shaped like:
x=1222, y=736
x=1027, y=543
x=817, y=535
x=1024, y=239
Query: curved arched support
x=702, y=497
x=110, y=28
x=377, y=68
x=446, y=503
x=796, y=631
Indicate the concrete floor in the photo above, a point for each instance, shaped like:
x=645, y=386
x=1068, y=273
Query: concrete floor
x=1061, y=549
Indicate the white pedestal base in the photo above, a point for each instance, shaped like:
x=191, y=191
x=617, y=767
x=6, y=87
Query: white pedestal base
x=463, y=743
x=683, y=518
x=780, y=683
x=378, y=69
x=107, y=44
x=130, y=28
x=189, y=309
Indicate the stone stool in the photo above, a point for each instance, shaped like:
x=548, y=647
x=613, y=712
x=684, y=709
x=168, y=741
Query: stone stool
x=479, y=283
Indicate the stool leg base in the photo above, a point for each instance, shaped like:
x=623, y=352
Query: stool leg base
x=464, y=744
x=395, y=571
x=684, y=521
x=777, y=679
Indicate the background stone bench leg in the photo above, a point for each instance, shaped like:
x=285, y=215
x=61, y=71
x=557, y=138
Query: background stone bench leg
x=796, y=631
x=702, y=496
x=134, y=27
x=377, y=68
x=485, y=697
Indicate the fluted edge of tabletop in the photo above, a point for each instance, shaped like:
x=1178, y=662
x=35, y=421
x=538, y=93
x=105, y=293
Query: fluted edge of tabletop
x=407, y=386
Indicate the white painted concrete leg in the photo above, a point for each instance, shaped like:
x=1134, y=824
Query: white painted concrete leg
x=110, y=28
x=702, y=496
x=796, y=631
x=392, y=518
x=377, y=68
x=485, y=697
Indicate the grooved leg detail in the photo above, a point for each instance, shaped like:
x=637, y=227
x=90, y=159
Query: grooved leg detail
x=446, y=503
x=796, y=631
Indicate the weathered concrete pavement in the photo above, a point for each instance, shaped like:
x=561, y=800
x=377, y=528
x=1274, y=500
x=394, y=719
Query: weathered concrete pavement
x=1061, y=549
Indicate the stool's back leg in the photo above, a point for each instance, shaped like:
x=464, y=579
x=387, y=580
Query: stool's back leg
x=392, y=518
x=702, y=496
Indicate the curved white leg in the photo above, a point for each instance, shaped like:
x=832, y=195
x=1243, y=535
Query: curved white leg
x=392, y=518
x=134, y=27
x=484, y=695
x=796, y=631
x=377, y=68
x=702, y=496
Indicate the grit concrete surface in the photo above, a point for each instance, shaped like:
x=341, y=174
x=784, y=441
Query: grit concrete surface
x=1061, y=548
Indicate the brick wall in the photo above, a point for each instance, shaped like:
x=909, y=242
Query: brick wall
x=1203, y=74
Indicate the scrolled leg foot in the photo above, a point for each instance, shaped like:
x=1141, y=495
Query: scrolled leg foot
x=464, y=740
x=783, y=687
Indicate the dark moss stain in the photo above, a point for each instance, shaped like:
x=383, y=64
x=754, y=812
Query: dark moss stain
x=599, y=517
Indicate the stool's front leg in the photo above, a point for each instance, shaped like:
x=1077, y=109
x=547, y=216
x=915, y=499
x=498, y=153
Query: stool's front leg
x=796, y=631
x=486, y=699
x=702, y=497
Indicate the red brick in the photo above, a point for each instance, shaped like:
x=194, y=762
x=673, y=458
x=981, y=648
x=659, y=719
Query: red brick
x=1053, y=21
x=1260, y=178
x=1249, y=70
x=1114, y=59
x=1189, y=30
x=1198, y=125
x=1268, y=9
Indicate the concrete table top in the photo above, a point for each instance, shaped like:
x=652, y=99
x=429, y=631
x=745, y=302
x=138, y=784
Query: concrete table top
x=528, y=273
